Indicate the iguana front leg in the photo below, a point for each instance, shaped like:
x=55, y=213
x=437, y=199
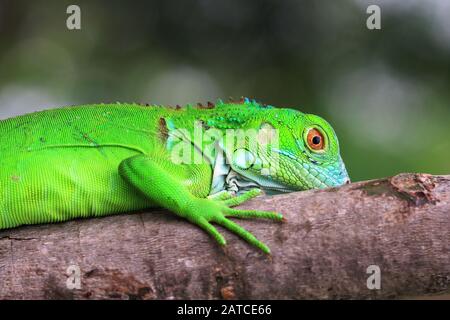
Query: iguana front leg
x=182, y=189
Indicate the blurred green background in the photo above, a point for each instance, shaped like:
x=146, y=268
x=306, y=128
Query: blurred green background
x=386, y=92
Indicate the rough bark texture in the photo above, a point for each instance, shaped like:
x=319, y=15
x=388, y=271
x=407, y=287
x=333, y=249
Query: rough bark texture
x=323, y=250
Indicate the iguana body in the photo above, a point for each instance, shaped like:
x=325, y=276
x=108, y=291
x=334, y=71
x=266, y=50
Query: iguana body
x=95, y=160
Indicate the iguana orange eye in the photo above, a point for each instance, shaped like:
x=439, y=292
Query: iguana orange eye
x=315, y=139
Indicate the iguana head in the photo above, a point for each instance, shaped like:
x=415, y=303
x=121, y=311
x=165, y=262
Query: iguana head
x=288, y=151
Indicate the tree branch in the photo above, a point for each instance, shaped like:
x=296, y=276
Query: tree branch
x=331, y=236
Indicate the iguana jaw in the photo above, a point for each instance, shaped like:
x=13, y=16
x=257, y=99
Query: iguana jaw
x=227, y=176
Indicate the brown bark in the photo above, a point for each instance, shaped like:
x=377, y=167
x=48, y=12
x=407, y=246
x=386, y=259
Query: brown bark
x=323, y=250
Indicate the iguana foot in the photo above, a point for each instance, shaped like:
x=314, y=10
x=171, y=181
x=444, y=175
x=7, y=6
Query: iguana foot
x=202, y=212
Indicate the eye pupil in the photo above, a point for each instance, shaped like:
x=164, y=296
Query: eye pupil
x=316, y=140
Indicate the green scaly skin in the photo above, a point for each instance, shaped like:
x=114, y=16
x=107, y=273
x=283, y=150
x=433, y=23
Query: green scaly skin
x=96, y=160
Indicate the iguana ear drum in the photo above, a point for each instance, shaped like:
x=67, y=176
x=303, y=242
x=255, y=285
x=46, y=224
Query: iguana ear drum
x=315, y=139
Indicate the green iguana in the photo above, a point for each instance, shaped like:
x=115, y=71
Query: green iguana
x=198, y=162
